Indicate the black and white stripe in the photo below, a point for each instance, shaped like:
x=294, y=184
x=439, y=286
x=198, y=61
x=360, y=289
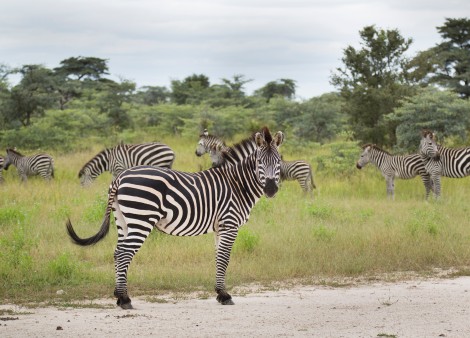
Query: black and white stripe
x=125, y=156
x=290, y=170
x=39, y=164
x=392, y=166
x=216, y=200
x=2, y=160
x=442, y=161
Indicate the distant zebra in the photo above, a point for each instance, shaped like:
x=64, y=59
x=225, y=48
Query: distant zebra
x=392, y=166
x=125, y=156
x=442, y=161
x=290, y=170
x=39, y=164
x=1, y=169
x=216, y=200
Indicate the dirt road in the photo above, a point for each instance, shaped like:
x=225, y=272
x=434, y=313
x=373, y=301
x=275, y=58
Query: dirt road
x=416, y=308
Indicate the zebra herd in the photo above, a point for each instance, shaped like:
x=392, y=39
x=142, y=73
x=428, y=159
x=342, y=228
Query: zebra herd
x=431, y=162
x=146, y=193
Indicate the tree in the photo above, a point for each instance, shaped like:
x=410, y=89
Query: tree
x=112, y=101
x=152, y=95
x=321, y=119
x=192, y=90
x=373, y=81
x=33, y=95
x=283, y=87
x=83, y=68
x=440, y=111
x=454, y=52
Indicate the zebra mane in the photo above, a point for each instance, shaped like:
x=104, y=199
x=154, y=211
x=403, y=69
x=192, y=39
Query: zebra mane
x=427, y=132
x=267, y=134
x=376, y=147
x=102, y=152
x=11, y=150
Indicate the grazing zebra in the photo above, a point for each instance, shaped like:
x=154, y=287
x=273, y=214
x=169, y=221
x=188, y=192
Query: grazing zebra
x=442, y=161
x=216, y=200
x=125, y=156
x=39, y=164
x=290, y=170
x=392, y=166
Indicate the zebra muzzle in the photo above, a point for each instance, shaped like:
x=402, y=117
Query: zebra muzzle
x=270, y=188
x=358, y=166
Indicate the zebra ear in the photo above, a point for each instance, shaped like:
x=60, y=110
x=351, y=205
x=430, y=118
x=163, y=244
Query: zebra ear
x=278, y=138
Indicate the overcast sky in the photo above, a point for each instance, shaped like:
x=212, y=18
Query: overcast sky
x=152, y=42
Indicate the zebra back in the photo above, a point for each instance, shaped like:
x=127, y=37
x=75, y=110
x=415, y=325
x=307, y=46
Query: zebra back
x=124, y=156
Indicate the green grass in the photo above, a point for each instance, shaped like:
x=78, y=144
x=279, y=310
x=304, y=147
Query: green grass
x=350, y=229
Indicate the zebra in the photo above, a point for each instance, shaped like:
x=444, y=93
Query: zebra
x=39, y=164
x=178, y=203
x=1, y=169
x=394, y=166
x=124, y=156
x=442, y=161
x=290, y=170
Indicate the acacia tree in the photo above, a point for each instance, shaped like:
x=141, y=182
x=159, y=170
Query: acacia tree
x=192, y=90
x=33, y=95
x=372, y=82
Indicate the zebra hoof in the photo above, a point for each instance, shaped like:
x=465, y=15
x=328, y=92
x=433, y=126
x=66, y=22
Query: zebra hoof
x=225, y=299
x=124, y=303
x=228, y=302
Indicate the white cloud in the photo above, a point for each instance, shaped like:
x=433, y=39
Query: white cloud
x=152, y=42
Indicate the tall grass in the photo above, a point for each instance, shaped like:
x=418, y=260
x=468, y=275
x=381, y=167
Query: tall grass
x=349, y=229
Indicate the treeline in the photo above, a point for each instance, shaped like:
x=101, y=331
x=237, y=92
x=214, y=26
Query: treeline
x=383, y=97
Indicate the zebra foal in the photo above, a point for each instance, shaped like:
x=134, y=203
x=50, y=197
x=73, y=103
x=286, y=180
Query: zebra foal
x=442, y=161
x=216, y=200
x=392, y=166
x=125, y=156
x=39, y=164
x=290, y=170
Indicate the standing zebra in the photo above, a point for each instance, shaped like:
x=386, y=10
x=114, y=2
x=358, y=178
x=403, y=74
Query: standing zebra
x=1, y=169
x=39, y=164
x=290, y=170
x=392, y=166
x=125, y=156
x=216, y=200
x=442, y=161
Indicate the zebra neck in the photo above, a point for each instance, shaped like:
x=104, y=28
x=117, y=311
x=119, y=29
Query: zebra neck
x=245, y=179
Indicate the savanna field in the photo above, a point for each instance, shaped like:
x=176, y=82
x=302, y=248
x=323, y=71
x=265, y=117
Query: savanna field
x=349, y=229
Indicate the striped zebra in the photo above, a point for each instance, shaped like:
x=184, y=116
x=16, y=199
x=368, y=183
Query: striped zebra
x=39, y=164
x=392, y=166
x=442, y=161
x=125, y=156
x=216, y=200
x=290, y=170
x=1, y=169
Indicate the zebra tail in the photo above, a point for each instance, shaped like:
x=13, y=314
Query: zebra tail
x=311, y=179
x=104, y=226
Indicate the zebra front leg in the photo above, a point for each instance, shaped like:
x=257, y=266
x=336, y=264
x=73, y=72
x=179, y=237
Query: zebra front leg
x=224, y=243
x=390, y=187
x=436, y=182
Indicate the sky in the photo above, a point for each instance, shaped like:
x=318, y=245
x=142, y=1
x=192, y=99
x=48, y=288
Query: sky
x=152, y=42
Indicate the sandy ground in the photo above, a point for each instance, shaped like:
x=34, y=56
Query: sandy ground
x=416, y=308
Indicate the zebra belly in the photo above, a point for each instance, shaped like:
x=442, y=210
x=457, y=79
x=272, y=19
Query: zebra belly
x=179, y=206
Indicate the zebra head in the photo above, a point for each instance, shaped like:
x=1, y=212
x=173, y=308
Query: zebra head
x=268, y=160
x=365, y=157
x=427, y=146
x=11, y=153
x=202, y=147
x=85, y=176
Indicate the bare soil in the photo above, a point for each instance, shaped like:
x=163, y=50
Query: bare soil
x=412, y=308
